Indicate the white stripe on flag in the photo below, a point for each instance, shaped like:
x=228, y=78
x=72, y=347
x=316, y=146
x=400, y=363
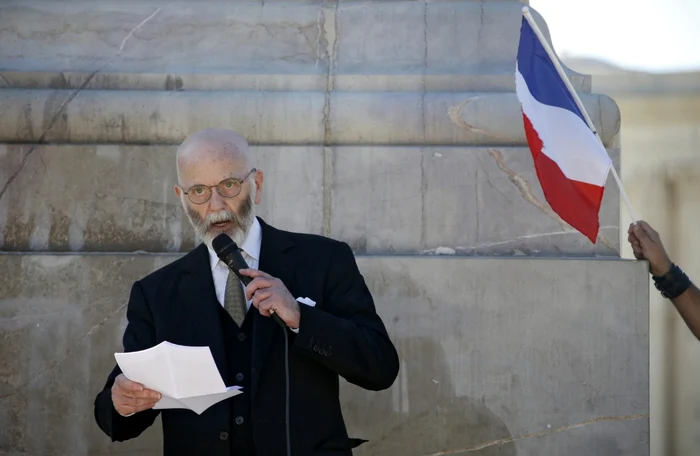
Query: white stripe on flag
x=566, y=138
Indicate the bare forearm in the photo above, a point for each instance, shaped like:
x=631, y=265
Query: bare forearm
x=688, y=305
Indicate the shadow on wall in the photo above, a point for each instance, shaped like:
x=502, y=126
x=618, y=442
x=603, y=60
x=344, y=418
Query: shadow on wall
x=421, y=416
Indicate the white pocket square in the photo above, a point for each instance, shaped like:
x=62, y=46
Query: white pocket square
x=307, y=301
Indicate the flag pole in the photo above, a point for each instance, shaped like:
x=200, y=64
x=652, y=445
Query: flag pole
x=560, y=70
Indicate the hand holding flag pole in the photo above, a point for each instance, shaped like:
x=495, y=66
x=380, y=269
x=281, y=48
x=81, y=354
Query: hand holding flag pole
x=572, y=92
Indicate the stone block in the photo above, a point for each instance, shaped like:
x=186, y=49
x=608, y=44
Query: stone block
x=265, y=37
x=378, y=199
x=494, y=350
x=121, y=198
x=477, y=368
x=470, y=200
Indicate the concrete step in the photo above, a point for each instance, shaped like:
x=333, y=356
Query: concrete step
x=490, y=349
x=472, y=200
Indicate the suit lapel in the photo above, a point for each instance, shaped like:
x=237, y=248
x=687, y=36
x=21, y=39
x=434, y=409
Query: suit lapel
x=274, y=260
x=197, y=300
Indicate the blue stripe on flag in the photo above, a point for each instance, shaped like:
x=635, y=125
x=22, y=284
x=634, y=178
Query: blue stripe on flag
x=540, y=74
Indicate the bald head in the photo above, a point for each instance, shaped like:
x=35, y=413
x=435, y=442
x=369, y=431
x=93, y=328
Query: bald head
x=212, y=145
x=211, y=158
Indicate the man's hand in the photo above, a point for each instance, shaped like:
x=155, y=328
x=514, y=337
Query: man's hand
x=646, y=245
x=130, y=397
x=269, y=296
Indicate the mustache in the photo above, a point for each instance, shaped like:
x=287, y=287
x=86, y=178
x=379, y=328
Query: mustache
x=220, y=217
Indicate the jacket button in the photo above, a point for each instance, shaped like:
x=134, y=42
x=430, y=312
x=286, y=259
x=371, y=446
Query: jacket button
x=223, y=435
x=239, y=420
x=241, y=337
x=239, y=377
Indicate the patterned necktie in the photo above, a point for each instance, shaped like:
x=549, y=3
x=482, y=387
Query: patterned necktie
x=234, y=300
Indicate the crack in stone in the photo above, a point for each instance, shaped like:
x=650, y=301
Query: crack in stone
x=524, y=187
x=423, y=192
x=476, y=201
x=455, y=113
x=481, y=21
x=520, y=238
x=121, y=48
x=53, y=365
x=63, y=107
x=491, y=443
x=319, y=34
x=2, y=76
x=488, y=181
x=327, y=130
x=527, y=194
x=425, y=66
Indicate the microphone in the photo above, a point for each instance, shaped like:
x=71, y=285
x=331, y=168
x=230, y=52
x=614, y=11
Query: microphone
x=228, y=252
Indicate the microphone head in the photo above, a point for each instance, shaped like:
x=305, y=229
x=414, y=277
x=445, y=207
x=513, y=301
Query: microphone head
x=223, y=242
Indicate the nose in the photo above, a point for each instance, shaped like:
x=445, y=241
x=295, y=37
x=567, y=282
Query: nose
x=216, y=202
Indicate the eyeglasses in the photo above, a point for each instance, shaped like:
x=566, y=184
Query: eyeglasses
x=228, y=188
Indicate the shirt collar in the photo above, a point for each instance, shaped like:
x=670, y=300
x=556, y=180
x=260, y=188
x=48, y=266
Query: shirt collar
x=251, y=245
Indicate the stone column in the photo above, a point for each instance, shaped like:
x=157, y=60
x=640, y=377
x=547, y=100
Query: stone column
x=390, y=125
x=684, y=352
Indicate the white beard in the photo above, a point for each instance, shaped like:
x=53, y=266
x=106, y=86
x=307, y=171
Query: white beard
x=206, y=232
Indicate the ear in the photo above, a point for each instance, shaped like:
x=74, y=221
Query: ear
x=259, y=178
x=178, y=191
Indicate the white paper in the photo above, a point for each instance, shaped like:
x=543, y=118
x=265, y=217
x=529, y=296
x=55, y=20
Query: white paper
x=186, y=377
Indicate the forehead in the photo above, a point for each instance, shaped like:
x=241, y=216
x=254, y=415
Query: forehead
x=210, y=165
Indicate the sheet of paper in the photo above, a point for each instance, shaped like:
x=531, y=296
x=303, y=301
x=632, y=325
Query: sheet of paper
x=187, y=377
x=149, y=367
x=197, y=404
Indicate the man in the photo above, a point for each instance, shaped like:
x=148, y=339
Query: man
x=668, y=278
x=195, y=301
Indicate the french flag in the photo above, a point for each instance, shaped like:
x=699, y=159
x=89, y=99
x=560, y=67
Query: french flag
x=571, y=163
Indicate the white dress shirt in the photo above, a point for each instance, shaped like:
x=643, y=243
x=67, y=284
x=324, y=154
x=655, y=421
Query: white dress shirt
x=251, y=254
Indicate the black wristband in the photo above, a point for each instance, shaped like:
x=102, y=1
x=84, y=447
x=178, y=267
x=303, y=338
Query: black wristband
x=672, y=284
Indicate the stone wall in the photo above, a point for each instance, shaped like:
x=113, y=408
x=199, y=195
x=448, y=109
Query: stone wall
x=492, y=350
x=390, y=125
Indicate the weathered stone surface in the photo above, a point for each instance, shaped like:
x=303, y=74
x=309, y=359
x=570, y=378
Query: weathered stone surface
x=471, y=200
x=279, y=117
x=121, y=198
x=378, y=199
x=264, y=37
x=477, y=366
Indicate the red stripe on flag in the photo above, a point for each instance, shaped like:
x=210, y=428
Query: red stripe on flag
x=577, y=203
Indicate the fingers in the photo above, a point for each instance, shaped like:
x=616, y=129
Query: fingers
x=642, y=235
x=128, y=409
x=254, y=273
x=650, y=232
x=127, y=385
x=126, y=388
x=256, y=284
x=260, y=296
x=131, y=397
x=138, y=401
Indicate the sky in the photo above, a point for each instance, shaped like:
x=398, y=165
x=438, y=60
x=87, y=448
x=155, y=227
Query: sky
x=646, y=35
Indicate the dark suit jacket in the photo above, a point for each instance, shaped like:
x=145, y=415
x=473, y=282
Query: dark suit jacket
x=341, y=335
